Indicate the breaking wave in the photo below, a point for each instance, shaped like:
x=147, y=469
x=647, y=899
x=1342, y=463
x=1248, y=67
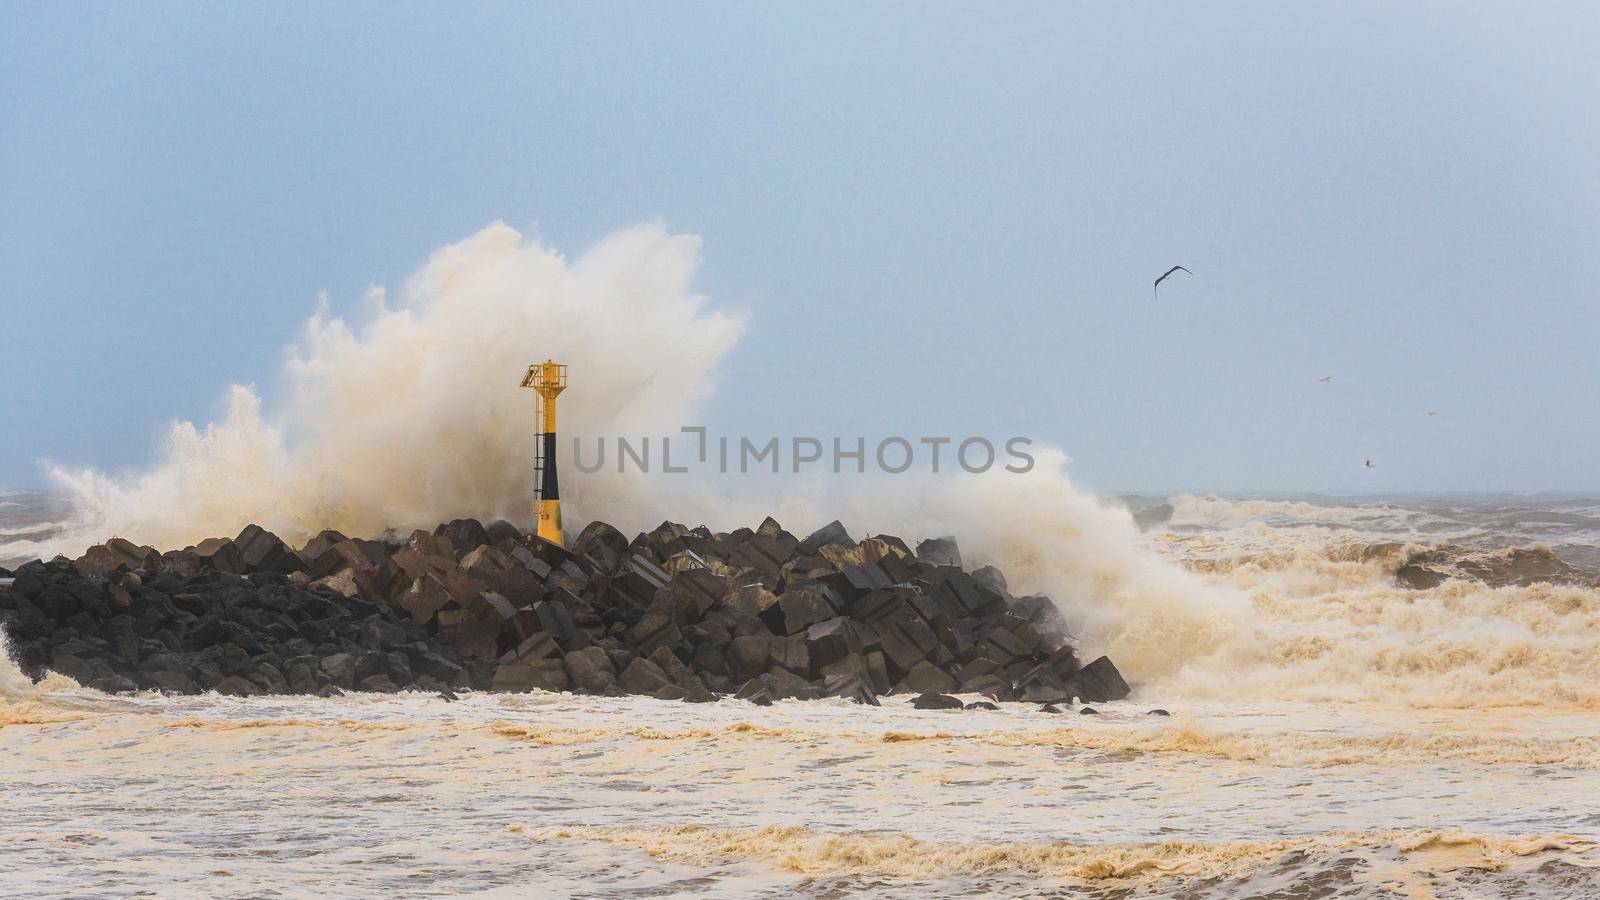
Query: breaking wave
x=22, y=702
x=1342, y=617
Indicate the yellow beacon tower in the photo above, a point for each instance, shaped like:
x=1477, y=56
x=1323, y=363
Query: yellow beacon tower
x=548, y=379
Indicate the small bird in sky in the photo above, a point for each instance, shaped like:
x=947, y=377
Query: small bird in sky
x=1326, y=379
x=1368, y=465
x=1156, y=288
x=1430, y=414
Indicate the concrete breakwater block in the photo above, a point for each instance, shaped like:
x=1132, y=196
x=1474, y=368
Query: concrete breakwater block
x=674, y=613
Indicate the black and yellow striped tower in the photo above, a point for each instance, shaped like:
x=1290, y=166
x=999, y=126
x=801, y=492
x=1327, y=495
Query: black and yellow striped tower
x=548, y=379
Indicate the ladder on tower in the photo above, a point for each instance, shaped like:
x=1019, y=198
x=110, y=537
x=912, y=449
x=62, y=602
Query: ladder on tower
x=538, y=449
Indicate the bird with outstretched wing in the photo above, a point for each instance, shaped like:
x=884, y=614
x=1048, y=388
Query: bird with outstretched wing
x=1156, y=288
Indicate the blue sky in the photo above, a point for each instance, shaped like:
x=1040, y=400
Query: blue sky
x=941, y=219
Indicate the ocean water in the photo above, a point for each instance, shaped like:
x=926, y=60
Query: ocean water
x=1331, y=734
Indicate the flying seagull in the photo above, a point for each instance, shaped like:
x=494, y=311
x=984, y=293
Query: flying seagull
x=1324, y=379
x=1156, y=289
x=1368, y=465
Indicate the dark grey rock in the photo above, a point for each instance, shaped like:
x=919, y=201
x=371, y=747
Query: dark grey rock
x=991, y=578
x=850, y=687
x=939, y=552
x=831, y=533
x=643, y=677
x=235, y=686
x=113, y=684
x=378, y=684
x=169, y=682
x=1100, y=681
x=926, y=678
